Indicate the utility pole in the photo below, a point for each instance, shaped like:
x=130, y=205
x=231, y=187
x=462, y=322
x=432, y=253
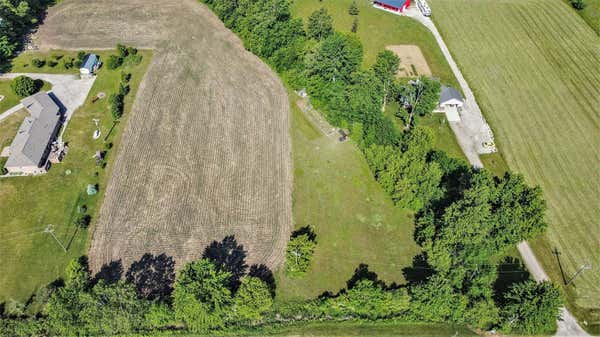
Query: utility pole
x=586, y=266
x=50, y=230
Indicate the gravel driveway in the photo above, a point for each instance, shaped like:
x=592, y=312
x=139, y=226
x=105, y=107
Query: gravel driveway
x=471, y=132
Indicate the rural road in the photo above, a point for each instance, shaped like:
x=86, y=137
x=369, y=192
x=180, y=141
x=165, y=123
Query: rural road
x=471, y=132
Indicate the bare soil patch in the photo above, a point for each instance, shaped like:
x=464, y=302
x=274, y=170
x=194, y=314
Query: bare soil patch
x=412, y=61
x=206, y=152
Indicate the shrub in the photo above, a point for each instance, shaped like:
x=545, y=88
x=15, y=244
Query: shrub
x=122, y=50
x=81, y=55
x=24, y=86
x=123, y=89
x=578, y=4
x=125, y=77
x=52, y=63
x=68, y=63
x=114, y=62
x=116, y=105
x=353, y=10
x=38, y=63
x=77, y=63
x=133, y=59
x=83, y=221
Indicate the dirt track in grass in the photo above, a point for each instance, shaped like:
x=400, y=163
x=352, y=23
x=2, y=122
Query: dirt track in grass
x=206, y=152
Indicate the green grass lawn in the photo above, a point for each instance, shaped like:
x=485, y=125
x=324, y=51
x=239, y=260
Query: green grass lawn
x=23, y=63
x=444, y=136
x=31, y=258
x=534, y=68
x=380, y=329
x=591, y=13
x=355, y=220
x=378, y=29
x=10, y=98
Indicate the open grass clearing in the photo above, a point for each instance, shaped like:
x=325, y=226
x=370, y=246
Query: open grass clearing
x=31, y=258
x=534, y=69
x=354, y=219
x=412, y=61
x=207, y=151
x=378, y=29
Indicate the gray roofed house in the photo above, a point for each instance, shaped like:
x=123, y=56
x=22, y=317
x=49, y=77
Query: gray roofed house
x=30, y=148
x=450, y=95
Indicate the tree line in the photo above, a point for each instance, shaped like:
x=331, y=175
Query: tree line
x=17, y=18
x=466, y=218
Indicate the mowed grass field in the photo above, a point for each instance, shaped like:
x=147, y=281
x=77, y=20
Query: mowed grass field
x=30, y=258
x=591, y=14
x=378, y=29
x=535, y=69
x=354, y=219
x=207, y=151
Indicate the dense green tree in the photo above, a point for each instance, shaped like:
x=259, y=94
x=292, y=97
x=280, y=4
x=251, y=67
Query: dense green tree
x=339, y=56
x=366, y=299
x=251, y=301
x=578, y=4
x=385, y=68
x=320, y=25
x=114, y=62
x=201, y=296
x=437, y=301
x=18, y=17
x=299, y=253
x=406, y=174
x=420, y=97
x=112, y=309
x=24, y=86
x=531, y=308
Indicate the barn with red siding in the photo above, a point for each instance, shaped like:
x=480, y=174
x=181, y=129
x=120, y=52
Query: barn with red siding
x=396, y=6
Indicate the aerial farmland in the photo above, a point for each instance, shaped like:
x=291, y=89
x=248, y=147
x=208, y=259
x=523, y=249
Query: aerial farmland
x=535, y=69
x=299, y=167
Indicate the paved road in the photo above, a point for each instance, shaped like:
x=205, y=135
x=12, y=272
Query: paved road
x=471, y=133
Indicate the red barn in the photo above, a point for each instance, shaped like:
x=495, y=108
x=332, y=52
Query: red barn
x=396, y=6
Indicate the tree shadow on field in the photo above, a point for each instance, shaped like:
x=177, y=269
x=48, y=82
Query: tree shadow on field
x=312, y=236
x=265, y=274
x=153, y=276
x=510, y=271
x=110, y=273
x=419, y=271
x=229, y=256
x=362, y=272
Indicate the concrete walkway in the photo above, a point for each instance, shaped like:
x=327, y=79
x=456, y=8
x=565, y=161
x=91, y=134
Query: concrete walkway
x=11, y=111
x=70, y=90
x=471, y=133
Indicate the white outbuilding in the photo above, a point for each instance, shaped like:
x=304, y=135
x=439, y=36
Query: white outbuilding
x=451, y=103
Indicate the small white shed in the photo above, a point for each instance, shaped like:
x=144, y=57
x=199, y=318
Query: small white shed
x=451, y=103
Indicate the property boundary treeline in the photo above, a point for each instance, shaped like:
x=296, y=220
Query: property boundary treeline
x=466, y=220
x=18, y=18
